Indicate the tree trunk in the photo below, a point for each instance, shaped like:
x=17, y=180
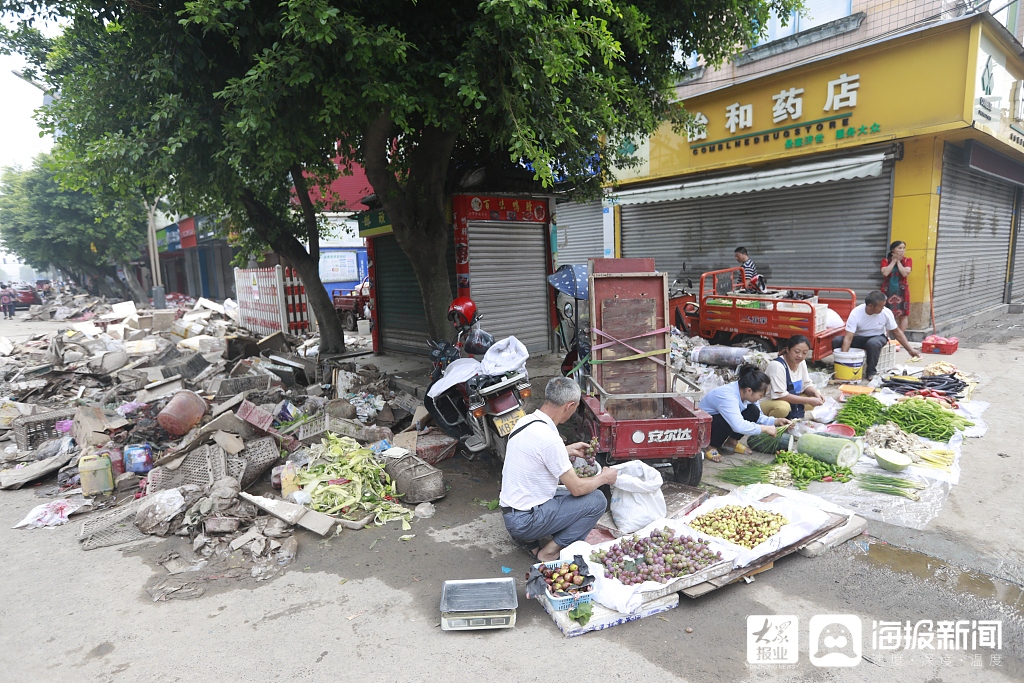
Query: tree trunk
x=279, y=237
x=416, y=209
x=137, y=292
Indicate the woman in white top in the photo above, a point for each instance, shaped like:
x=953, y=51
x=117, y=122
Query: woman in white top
x=791, y=389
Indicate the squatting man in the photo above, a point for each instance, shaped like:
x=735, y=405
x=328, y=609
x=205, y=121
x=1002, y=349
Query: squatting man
x=536, y=460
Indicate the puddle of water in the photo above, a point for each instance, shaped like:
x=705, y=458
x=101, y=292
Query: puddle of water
x=929, y=568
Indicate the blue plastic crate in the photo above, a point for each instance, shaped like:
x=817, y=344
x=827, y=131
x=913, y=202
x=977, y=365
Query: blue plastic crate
x=567, y=602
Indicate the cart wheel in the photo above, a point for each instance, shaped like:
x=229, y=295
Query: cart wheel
x=688, y=471
x=756, y=343
x=348, y=321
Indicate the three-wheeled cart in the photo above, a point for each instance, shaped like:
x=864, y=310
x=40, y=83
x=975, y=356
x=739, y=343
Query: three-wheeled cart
x=723, y=315
x=633, y=403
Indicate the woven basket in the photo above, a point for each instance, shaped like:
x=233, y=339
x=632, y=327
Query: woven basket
x=417, y=481
x=32, y=430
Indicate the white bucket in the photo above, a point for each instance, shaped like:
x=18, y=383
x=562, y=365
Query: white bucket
x=363, y=328
x=849, y=365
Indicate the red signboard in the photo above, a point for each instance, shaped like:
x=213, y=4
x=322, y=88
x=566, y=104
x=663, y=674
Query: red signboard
x=467, y=207
x=480, y=208
x=187, y=232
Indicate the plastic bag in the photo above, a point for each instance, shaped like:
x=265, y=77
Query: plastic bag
x=478, y=341
x=637, y=499
x=54, y=513
x=157, y=509
x=505, y=356
x=819, y=380
x=827, y=411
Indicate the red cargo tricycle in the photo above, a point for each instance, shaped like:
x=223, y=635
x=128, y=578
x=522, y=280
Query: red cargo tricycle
x=633, y=403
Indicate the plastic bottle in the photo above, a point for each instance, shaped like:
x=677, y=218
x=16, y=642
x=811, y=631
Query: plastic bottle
x=138, y=458
x=182, y=413
x=95, y=476
x=116, y=459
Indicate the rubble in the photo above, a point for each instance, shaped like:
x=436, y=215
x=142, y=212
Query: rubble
x=193, y=411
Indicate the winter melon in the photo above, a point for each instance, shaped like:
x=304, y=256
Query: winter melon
x=891, y=460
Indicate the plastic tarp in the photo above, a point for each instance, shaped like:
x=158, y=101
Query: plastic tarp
x=616, y=595
x=458, y=372
x=507, y=355
x=863, y=166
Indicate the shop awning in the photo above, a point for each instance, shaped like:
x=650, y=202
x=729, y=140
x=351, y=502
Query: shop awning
x=861, y=166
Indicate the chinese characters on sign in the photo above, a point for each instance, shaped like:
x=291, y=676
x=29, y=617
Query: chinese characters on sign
x=667, y=435
x=739, y=116
x=788, y=105
x=701, y=131
x=842, y=92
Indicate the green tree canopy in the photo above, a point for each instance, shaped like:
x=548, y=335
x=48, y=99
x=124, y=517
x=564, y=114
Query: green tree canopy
x=229, y=105
x=47, y=225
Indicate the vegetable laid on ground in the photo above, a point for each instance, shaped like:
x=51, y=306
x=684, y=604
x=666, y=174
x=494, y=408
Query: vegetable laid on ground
x=891, y=460
x=890, y=436
x=803, y=469
x=926, y=419
x=893, y=486
x=661, y=557
x=860, y=412
x=830, y=450
x=743, y=525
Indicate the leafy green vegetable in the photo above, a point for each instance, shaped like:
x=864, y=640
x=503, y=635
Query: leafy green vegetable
x=352, y=483
x=582, y=613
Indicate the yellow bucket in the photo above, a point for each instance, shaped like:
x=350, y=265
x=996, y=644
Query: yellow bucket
x=849, y=365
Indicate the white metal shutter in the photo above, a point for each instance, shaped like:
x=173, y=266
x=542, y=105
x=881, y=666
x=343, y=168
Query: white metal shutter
x=975, y=217
x=580, y=232
x=831, y=234
x=508, y=281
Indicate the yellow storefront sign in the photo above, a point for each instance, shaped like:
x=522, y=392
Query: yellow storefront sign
x=914, y=85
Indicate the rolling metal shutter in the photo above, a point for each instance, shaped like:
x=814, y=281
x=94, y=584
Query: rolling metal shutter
x=975, y=217
x=508, y=268
x=1017, y=290
x=403, y=324
x=830, y=234
x=580, y=232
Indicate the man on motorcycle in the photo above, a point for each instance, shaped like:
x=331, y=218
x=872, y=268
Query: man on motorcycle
x=532, y=505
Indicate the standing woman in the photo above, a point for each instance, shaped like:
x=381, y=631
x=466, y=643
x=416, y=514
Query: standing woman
x=791, y=391
x=734, y=411
x=895, y=269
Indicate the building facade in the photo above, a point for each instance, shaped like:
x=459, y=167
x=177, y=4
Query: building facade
x=893, y=121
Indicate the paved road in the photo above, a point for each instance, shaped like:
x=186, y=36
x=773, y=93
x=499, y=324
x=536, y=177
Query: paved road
x=363, y=606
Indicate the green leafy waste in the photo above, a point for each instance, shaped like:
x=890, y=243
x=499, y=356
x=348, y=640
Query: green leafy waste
x=351, y=483
x=582, y=613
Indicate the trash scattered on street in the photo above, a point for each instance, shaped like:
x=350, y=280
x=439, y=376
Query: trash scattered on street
x=171, y=423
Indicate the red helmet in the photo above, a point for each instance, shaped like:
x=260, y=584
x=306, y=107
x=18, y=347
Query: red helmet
x=462, y=312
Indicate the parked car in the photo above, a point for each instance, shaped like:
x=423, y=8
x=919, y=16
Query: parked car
x=26, y=296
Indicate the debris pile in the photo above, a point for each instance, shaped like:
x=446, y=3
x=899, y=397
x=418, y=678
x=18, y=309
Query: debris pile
x=180, y=423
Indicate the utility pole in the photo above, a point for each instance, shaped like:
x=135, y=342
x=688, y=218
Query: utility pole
x=154, y=254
